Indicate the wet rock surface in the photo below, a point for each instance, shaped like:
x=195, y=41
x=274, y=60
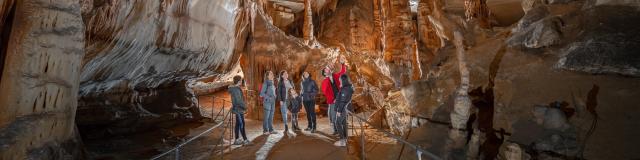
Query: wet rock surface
x=609, y=44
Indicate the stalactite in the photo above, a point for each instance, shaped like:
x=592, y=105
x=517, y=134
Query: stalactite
x=377, y=24
x=427, y=34
x=307, y=28
x=477, y=9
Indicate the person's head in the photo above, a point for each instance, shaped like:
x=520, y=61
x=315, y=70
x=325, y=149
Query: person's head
x=237, y=80
x=326, y=72
x=305, y=75
x=344, y=81
x=293, y=92
x=284, y=74
x=268, y=75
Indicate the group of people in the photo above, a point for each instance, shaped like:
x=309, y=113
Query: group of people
x=336, y=87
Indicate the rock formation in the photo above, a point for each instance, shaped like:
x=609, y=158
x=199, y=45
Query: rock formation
x=142, y=54
x=40, y=79
x=513, y=91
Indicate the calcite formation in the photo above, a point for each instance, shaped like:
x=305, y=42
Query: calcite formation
x=113, y=67
x=40, y=79
x=142, y=54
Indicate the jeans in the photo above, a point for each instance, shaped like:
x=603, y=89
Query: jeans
x=239, y=128
x=283, y=110
x=332, y=116
x=341, y=123
x=267, y=123
x=310, y=108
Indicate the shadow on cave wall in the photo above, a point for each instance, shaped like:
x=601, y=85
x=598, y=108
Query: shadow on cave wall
x=4, y=38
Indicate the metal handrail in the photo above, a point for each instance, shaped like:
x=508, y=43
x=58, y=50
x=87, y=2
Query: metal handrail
x=176, y=149
x=416, y=147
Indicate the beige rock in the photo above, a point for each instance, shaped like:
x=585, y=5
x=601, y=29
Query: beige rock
x=41, y=78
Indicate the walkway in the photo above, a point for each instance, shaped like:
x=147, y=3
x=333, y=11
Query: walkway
x=299, y=145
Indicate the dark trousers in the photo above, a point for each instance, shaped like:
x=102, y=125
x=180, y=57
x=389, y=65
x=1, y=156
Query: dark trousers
x=239, y=128
x=294, y=120
x=310, y=108
x=341, y=124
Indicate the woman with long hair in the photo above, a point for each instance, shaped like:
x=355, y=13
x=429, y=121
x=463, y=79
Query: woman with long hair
x=282, y=91
x=268, y=94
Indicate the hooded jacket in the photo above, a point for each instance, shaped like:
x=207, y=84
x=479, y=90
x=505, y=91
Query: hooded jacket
x=237, y=99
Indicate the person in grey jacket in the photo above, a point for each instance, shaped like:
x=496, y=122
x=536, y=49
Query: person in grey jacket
x=284, y=85
x=343, y=103
x=268, y=94
x=238, y=108
x=309, y=90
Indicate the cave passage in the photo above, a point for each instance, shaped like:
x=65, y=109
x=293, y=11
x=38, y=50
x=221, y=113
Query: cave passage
x=410, y=79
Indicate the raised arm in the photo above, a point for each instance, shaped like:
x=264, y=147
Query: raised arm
x=343, y=70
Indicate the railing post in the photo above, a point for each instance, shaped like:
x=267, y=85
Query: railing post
x=362, y=139
x=213, y=106
x=177, y=154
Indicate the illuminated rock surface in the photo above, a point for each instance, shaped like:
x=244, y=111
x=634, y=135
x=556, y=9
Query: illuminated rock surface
x=521, y=79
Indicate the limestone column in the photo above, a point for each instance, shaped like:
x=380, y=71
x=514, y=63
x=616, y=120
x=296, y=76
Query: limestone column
x=40, y=81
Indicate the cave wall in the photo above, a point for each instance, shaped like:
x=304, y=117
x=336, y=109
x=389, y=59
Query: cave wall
x=40, y=80
x=142, y=54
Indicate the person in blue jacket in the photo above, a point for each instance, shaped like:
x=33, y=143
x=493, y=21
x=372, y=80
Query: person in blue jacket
x=268, y=94
x=238, y=108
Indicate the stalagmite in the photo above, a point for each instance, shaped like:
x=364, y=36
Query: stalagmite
x=462, y=103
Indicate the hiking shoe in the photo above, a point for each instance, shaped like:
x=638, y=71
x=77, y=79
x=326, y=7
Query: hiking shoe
x=266, y=133
x=340, y=143
x=313, y=130
x=274, y=132
x=307, y=129
x=237, y=142
x=247, y=142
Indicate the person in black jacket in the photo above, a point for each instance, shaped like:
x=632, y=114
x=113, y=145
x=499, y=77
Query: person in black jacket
x=343, y=103
x=295, y=103
x=282, y=92
x=309, y=90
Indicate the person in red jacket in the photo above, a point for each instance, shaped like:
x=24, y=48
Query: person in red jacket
x=330, y=88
